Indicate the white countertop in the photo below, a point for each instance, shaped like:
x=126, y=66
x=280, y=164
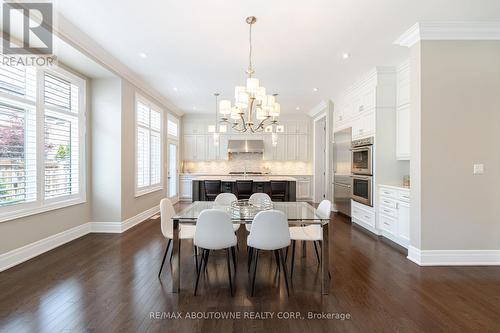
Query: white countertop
x=397, y=187
x=255, y=178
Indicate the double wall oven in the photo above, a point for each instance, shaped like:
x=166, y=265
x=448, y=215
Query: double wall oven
x=362, y=170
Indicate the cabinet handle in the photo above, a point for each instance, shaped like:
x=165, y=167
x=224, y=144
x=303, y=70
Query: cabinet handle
x=367, y=217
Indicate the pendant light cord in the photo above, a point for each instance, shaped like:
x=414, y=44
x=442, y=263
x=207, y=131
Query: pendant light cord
x=250, y=69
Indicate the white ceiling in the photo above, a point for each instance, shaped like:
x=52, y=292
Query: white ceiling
x=200, y=47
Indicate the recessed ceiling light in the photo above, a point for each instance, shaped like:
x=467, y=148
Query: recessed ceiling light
x=297, y=108
x=345, y=55
x=175, y=88
x=143, y=55
x=194, y=107
x=315, y=89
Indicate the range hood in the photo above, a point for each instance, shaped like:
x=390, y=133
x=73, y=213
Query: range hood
x=245, y=146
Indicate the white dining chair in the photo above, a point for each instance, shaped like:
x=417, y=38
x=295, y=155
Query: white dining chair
x=269, y=232
x=226, y=199
x=257, y=198
x=167, y=229
x=311, y=233
x=214, y=231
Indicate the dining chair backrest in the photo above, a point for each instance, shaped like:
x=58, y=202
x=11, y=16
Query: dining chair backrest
x=324, y=209
x=259, y=198
x=167, y=212
x=278, y=190
x=244, y=188
x=212, y=189
x=214, y=230
x=225, y=199
x=269, y=231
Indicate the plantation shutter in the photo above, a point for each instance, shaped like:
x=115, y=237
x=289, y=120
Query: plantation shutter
x=17, y=135
x=148, y=146
x=61, y=148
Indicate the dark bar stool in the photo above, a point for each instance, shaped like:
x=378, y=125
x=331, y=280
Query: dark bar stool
x=278, y=190
x=212, y=189
x=244, y=189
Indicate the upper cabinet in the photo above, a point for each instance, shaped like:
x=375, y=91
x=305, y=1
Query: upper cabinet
x=403, y=112
x=293, y=141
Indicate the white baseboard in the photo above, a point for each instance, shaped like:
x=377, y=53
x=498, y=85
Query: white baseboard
x=454, y=257
x=22, y=254
x=119, y=227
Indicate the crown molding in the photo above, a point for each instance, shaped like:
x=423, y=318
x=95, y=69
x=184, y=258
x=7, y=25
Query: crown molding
x=318, y=109
x=72, y=35
x=458, y=30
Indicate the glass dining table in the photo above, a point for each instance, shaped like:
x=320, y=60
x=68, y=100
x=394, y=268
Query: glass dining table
x=298, y=214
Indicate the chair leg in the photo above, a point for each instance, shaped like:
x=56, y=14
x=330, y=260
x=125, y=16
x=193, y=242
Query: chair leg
x=199, y=271
x=316, y=250
x=277, y=257
x=285, y=273
x=255, y=270
x=293, y=260
x=229, y=271
x=196, y=257
x=250, y=255
x=206, y=260
x=164, y=257
x=286, y=253
x=233, y=252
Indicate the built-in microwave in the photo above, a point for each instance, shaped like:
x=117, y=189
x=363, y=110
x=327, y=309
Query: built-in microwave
x=362, y=189
x=361, y=156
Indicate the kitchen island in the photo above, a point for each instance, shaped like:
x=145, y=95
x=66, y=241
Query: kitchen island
x=261, y=184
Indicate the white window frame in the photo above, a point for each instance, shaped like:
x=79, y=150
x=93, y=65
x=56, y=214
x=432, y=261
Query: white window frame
x=41, y=205
x=139, y=191
x=175, y=120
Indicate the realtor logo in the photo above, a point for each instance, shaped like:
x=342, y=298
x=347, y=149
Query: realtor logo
x=32, y=22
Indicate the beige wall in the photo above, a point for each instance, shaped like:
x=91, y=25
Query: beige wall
x=106, y=153
x=23, y=231
x=131, y=205
x=459, y=126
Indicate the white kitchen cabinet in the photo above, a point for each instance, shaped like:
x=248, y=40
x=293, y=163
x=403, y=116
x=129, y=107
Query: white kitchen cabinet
x=280, y=149
x=216, y=152
x=189, y=147
x=291, y=148
x=364, y=126
x=404, y=221
x=403, y=113
x=363, y=215
x=185, y=187
x=303, y=147
x=195, y=127
x=195, y=147
x=304, y=188
x=394, y=214
x=403, y=132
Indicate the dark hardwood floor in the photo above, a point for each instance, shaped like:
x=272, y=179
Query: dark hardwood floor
x=108, y=282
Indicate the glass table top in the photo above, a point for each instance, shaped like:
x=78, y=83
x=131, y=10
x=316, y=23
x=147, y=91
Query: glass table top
x=295, y=211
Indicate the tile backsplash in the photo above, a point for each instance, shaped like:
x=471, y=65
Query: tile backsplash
x=243, y=163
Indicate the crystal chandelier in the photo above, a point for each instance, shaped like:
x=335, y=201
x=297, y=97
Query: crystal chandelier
x=217, y=129
x=253, y=110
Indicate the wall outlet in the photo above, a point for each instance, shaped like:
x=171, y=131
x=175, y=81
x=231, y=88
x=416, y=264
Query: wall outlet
x=478, y=169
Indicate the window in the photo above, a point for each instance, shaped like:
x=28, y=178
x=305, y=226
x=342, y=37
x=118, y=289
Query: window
x=42, y=122
x=149, y=133
x=172, y=127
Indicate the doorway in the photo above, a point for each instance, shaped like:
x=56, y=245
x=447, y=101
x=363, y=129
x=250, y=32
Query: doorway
x=173, y=172
x=320, y=147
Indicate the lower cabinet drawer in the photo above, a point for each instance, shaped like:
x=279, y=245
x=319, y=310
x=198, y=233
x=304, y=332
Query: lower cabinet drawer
x=364, y=216
x=391, y=212
x=388, y=224
x=388, y=202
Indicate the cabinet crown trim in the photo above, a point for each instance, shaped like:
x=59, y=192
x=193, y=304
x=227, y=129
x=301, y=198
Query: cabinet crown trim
x=458, y=30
